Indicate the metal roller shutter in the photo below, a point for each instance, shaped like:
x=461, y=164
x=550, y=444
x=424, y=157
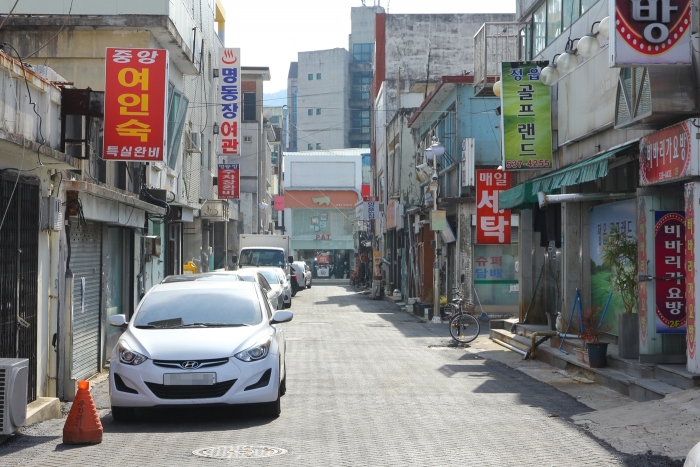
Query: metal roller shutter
x=86, y=264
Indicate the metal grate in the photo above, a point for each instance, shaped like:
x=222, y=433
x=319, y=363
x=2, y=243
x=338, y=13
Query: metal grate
x=202, y=363
x=190, y=392
x=19, y=256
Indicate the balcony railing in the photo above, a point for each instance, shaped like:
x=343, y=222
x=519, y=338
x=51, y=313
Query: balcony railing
x=494, y=43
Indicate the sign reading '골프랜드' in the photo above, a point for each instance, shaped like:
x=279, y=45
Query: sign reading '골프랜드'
x=525, y=116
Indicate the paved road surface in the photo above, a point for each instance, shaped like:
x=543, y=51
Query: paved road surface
x=368, y=385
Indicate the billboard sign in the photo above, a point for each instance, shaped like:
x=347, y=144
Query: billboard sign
x=526, y=119
x=229, y=181
x=670, y=248
x=136, y=85
x=667, y=155
x=654, y=33
x=493, y=223
x=230, y=102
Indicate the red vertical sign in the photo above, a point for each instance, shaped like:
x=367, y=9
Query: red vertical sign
x=230, y=103
x=493, y=224
x=642, y=255
x=229, y=181
x=279, y=203
x=136, y=83
x=669, y=246
x=690, y=196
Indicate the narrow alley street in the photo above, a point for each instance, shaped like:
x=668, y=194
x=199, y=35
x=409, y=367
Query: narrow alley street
x=368, y=385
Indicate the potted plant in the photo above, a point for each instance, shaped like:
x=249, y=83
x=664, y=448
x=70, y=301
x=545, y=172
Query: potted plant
x=593, y=329
x=620, y=254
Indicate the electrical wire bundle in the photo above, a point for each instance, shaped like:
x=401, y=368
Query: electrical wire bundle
x=158, y=219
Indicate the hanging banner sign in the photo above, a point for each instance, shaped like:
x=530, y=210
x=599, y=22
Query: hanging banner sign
x=692, y=207
x=230, y=102
x=229, y=181
x=492, y=223
x=667, y=155
x=279, y=203
x=136, y=84
x=654, y=33
x=526, y=119
x=370, y=210
x=670, y=248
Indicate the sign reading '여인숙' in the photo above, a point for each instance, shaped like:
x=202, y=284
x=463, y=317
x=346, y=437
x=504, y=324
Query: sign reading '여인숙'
x=136, y=82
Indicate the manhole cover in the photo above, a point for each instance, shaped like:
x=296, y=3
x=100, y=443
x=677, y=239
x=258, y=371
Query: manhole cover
x=234, y=452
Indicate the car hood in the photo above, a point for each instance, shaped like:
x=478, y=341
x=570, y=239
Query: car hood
x=193, y=343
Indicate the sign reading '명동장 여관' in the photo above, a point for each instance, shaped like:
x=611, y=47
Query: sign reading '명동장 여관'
x=526, y=124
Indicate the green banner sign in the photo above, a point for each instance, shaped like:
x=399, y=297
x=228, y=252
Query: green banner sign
x=526, y=122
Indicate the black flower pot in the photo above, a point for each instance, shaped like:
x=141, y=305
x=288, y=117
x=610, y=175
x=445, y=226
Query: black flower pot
x=597, y=354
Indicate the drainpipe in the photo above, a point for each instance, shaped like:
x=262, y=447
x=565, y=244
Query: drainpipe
x=545, y=199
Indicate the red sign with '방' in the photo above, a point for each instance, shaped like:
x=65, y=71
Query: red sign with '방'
x=492, y=223
x=136, y=83
x=670, y=248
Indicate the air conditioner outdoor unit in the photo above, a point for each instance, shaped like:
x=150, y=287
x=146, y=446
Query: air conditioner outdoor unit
x=194, y=144
x=14, y=374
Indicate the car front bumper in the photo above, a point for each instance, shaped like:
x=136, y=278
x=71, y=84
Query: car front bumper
x=143, y=385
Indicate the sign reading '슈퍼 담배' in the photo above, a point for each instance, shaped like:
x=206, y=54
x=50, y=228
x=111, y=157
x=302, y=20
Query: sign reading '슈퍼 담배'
x=525, y=116
x=136, y=83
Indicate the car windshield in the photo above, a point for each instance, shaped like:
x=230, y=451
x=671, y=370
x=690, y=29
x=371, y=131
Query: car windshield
x=172, y=308
x=270, y=276
x=261, y=257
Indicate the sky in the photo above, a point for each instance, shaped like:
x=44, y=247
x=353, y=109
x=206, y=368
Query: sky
x=271, y=32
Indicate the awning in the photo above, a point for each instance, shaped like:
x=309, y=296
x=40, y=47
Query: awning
x=525, y=194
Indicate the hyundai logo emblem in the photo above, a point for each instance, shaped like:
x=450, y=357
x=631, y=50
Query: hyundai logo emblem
x=190, y=365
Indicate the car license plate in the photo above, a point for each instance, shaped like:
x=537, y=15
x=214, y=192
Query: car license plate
x=189, y=379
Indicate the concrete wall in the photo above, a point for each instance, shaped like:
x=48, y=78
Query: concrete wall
x=329, y=94
x=362, y=23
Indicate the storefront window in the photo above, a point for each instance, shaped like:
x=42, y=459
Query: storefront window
x=539, y=27
x=553, y=20
x=494, y=277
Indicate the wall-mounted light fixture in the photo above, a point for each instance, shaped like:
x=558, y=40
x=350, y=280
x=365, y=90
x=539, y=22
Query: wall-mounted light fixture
x=215, y=128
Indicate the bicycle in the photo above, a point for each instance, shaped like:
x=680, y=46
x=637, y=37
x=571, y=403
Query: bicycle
x=464, y=327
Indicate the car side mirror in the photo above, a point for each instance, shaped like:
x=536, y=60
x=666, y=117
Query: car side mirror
x=118, y=321
x=234, y=259
x=290, y=259
x=281, y=317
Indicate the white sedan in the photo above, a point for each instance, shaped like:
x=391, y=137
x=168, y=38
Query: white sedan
x=197, y=342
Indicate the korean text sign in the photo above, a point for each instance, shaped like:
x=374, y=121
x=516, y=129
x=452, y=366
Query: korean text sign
x=692, y=207
x=670, y=249
x=666, y=155
x=526, y=120
x=230, y=102
x=229, y=181
x=492, y=223
x=653, y=32
x=136, y=84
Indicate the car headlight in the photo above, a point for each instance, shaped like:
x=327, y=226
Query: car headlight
x=256, y=352
x=128, y=356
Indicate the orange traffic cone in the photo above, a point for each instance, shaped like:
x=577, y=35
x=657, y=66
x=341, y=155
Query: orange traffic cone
x=83, y=425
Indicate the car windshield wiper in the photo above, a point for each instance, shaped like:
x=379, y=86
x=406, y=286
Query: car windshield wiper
x=206, y=325
x=148, y=326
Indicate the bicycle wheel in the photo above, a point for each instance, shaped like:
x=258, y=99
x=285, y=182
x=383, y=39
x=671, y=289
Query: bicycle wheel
x=464, y=328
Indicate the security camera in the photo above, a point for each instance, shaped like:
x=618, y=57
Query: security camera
x=435, y=176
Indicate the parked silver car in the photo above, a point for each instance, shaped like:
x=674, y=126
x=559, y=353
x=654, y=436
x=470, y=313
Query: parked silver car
x=283, y=280
x=303, y=273
x=274, y=294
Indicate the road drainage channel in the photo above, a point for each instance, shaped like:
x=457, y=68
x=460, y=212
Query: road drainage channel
x=238, y=452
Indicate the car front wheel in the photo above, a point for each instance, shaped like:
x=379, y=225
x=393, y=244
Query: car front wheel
x=271, y=409
x=122, y=414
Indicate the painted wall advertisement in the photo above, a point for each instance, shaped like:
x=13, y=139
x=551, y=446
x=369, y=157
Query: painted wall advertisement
x=229, y=181
x=526, y=120
x=230, y=103
x=654, y=32
x=622, y=215
x=492, y=224
x=136, y=83
x=667, y=155
x=670, y=249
